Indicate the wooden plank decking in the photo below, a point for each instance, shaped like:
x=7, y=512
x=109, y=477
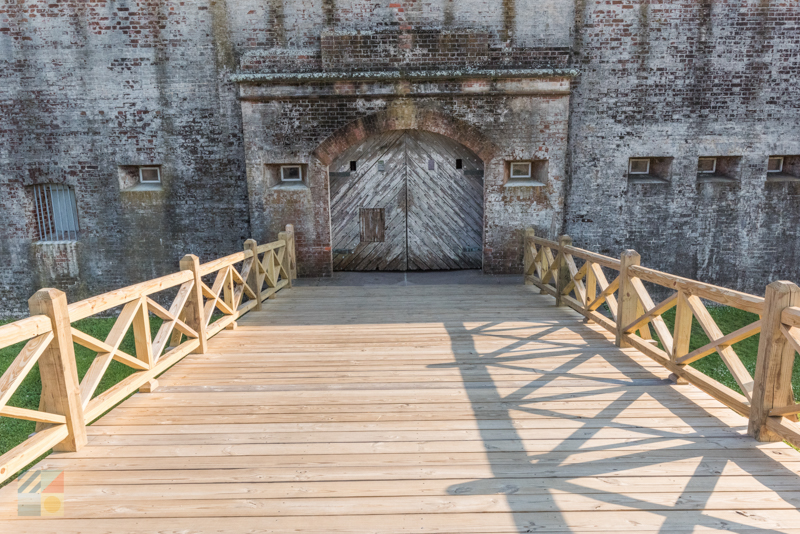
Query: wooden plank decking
x=419, y=409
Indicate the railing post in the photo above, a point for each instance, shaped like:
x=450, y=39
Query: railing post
x=563, y=277
x=773, y=377
x=61, y=393
x=194, y=315
x=254, y=276
x=591, y=288
x=528, y=258
x=288, y=236
x=683, y=328
x=628, y=300
x=290, y=249
x=682, y=334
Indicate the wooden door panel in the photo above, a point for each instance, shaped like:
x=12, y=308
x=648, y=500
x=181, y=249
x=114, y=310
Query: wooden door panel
x=373, y=225
x=371, y=188
x=445, y=205
x=432, y=219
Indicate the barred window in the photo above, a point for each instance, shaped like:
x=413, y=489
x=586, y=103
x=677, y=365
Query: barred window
x=56, y=212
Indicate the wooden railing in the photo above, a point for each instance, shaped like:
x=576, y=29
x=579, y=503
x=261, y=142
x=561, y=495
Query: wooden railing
x=67, y=404
x=580, y=279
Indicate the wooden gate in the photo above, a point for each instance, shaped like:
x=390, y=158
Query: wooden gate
x=407, y=200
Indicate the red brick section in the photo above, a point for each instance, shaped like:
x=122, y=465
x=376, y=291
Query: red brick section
x=419, y=119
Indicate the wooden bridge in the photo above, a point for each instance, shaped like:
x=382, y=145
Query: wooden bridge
x=410, y=408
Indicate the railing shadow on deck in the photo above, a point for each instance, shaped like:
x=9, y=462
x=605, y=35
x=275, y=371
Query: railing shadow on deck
x=553, y=474
x=199, y=293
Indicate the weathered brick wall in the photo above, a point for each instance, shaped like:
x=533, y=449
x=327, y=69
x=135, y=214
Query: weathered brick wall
x=353, y=36
x=685, y=79
x=290, y=130
x=420, y=49
x=88, y=86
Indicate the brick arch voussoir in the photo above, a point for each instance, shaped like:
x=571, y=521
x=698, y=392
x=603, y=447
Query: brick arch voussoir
x=426, y=120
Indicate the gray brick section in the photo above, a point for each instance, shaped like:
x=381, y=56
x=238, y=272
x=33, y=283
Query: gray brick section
x=684, y=80
x=89, y=86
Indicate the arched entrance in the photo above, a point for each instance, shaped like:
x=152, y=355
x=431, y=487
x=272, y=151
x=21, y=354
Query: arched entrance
x=407, y=200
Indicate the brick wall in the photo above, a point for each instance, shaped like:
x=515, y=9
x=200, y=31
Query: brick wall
x=683, y=80
x=87, y=87
x=519, y=127
x=419, y=49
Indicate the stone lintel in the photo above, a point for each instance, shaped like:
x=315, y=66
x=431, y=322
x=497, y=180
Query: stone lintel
x=521, y=82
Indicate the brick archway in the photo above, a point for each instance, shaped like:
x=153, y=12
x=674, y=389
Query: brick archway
x=405, y=118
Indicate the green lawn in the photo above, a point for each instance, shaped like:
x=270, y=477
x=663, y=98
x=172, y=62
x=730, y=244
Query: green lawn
x=728, y=320
x=15, y=431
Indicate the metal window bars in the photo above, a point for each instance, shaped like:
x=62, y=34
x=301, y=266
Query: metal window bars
x=56, y=212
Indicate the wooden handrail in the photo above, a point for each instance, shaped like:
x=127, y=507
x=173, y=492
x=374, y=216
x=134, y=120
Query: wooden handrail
x=543, y=242
x=221, y=263
x=720, y=295
x=791, y=316
x=271, y=246
x=106, y=301
x=68, y=406
x=605, y=261
x=24, y=329
x=768, y=400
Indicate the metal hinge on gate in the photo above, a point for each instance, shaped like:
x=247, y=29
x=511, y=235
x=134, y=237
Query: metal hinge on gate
x=343, y=251
x=472, y=249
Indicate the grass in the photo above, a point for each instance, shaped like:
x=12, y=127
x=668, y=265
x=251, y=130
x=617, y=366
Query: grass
x=728, y=319
x=15, y=431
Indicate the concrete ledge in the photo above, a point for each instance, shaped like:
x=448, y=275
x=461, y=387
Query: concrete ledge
x=386, y=76
x=716, y=180
x=647, y=179
x=144, y=188
x=523, y=183
x=781, y=177
x=468, y=83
